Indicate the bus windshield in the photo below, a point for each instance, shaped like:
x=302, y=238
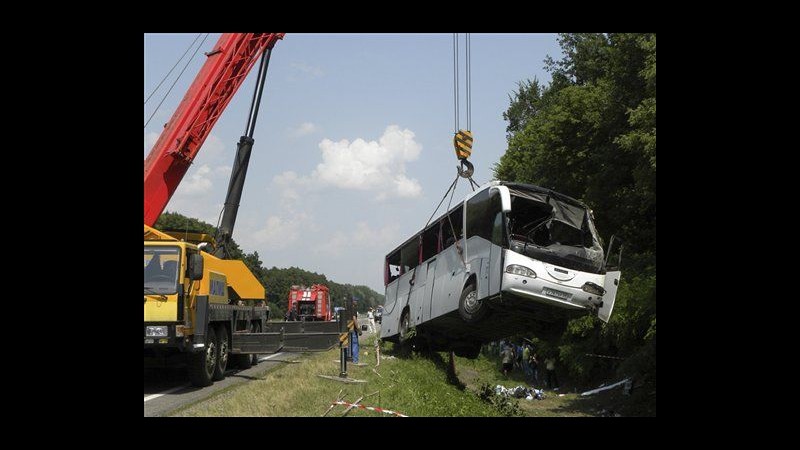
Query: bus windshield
x=554, y=230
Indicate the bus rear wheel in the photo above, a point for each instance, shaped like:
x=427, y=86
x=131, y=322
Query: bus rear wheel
x=404, y=328
x=470, y=308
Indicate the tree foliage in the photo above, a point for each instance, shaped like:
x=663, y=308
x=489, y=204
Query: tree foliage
x=591, y=134
x=277, y=282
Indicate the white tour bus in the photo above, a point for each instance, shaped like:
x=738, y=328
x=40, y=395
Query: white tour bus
x=511, y=258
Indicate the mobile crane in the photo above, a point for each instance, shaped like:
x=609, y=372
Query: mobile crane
x=194, y=301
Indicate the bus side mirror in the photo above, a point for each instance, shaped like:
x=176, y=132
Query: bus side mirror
x=505, y=197
x=619, y=255
x=195, y=267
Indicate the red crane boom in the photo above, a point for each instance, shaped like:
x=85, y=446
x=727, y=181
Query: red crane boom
x=224, y=71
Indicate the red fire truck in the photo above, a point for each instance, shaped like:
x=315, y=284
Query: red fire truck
x=310, y=304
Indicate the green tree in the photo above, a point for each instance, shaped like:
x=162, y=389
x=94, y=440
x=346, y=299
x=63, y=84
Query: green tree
x=277, y=282
x=591, y=134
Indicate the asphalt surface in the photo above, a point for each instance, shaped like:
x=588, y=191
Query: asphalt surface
x=167, y=390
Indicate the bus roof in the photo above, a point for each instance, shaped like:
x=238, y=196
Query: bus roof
x=518, y=189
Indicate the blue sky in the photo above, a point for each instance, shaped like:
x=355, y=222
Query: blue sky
x=353, y=145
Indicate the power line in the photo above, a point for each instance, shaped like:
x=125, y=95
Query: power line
x=173, y=68
x=176, y=80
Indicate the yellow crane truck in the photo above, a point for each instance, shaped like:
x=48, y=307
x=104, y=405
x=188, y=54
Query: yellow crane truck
x=202, y=309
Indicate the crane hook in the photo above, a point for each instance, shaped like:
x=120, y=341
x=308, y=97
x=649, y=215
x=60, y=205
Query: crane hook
x=462, y=141
x=470, y=169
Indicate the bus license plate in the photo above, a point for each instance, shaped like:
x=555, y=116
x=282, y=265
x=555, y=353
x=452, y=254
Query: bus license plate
x=556, y=294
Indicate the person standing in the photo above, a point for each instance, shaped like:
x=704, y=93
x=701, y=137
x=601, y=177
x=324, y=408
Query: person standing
x=550, y=367
x=534, y=365
x=526, y=358
x=371, y=318
x=354, y=335
x=508, y=359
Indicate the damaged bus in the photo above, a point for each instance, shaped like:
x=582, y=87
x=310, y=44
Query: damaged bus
x=510, y=258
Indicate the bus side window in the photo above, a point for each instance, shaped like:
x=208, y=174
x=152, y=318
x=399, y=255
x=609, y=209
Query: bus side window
x=393, y=267
x=409, y=256
x=430, y=242
x=447, y=231
x=482, y=211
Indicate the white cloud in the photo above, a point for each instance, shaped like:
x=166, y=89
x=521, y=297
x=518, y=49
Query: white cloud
x=281, y=232
x=362, y=237
x=312, y=71
x=303, y=129
x=406, y=187
x=149, y=141
x=335, y=244
x=289, y=184
x=224, y=171
x=376, y=166
x=212, y=148
x=197, y=183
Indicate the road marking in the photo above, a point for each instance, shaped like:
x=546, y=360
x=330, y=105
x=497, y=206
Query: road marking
x=169, y=391
x=270, y=356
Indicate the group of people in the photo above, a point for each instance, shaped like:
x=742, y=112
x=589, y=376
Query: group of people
x=523, y=357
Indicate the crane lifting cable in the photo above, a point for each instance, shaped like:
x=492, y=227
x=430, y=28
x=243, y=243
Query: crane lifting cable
x=462, y=139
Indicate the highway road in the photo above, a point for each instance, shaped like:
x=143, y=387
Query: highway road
x=167, y=390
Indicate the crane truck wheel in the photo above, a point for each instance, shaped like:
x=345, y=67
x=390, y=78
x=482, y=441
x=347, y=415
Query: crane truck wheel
x=202, y=364
x=223, y=346
x=256, y=329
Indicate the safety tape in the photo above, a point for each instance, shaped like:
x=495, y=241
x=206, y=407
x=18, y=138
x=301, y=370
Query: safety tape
x=371, y=408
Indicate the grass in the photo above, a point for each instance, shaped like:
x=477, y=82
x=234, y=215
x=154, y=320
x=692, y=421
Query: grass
x=412, y=384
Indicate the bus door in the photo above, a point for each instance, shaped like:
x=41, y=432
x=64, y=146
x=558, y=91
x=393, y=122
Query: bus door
x=429, y=288
x=418, y=303
x=611, y=284
x=484, y=230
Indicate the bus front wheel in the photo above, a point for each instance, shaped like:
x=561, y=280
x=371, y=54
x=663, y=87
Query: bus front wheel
x=223, y=347
x=470, y=308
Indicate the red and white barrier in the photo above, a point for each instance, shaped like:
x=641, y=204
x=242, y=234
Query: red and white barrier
x=371, y=408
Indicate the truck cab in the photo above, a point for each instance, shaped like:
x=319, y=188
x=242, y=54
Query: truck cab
x=173, y=277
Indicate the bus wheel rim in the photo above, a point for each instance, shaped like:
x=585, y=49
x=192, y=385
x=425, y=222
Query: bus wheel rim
x=471, y=303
